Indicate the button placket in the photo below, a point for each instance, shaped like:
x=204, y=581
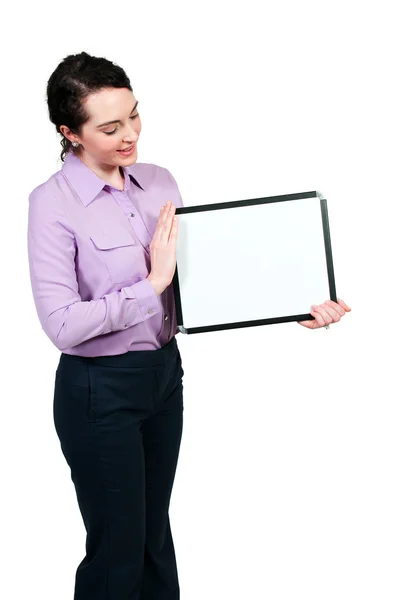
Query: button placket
x=126, y=204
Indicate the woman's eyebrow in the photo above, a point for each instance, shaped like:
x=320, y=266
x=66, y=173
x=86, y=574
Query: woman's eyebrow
x=117, y=120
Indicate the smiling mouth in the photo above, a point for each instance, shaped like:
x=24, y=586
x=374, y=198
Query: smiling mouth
x=126, y=149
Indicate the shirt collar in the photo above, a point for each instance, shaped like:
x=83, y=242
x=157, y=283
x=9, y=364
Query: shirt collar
x=87, y=183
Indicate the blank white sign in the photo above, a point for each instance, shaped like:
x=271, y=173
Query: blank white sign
x=252, y=262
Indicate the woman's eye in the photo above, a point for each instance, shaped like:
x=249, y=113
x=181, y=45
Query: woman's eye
x=111, y=132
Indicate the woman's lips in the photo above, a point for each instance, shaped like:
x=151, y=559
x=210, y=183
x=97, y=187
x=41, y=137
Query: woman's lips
x=128, y=152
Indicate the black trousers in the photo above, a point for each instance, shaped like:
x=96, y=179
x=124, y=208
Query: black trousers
x=119, y=421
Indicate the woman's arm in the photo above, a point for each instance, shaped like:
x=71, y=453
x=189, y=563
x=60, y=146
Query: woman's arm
x=65, y=318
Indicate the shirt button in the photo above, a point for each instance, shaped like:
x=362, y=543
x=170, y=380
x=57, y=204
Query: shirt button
x=131, y=214
x=166, y=317
x=150, y=311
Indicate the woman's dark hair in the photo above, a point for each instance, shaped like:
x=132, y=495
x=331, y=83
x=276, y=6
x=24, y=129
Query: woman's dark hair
x=74, y=79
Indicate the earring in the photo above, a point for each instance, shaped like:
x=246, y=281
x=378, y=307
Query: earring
x=75, y=144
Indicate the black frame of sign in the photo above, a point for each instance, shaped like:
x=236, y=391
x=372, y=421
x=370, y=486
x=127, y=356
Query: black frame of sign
x=237, y=204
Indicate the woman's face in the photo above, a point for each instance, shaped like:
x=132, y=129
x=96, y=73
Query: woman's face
x=99, y=143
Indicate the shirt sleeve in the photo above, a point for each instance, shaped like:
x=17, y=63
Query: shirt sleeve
x=179, y=203
x=64, y=317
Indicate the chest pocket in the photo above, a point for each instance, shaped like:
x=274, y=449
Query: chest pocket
x=118, y=250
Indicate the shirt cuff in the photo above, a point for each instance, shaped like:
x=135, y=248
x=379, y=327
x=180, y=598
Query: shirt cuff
x=147, y=298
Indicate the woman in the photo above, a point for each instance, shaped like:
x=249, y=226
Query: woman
x=102, y=255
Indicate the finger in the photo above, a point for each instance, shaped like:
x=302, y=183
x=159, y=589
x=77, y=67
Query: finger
x=343, y=304
x=169, y=218
x=327, y=319
x=313, y=324
x=325, y=314
x=318, y=316
x=168, y=227
x=166, y=223
x=173, y=233
x=157, y=236
x=336, y=307
x=165, y=209
x=331, y=311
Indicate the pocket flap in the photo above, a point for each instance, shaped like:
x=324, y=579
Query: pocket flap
x=117, y=239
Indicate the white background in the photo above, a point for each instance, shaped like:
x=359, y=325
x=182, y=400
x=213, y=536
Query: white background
x=286, y=486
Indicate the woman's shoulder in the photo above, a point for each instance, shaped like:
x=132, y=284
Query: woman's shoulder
x=47, y=199
x=41, y=200
x=47, y=188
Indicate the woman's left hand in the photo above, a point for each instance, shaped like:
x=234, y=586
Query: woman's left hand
x=326, y=313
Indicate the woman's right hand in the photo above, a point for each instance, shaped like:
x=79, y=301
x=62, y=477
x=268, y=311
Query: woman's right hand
x=163, y=249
